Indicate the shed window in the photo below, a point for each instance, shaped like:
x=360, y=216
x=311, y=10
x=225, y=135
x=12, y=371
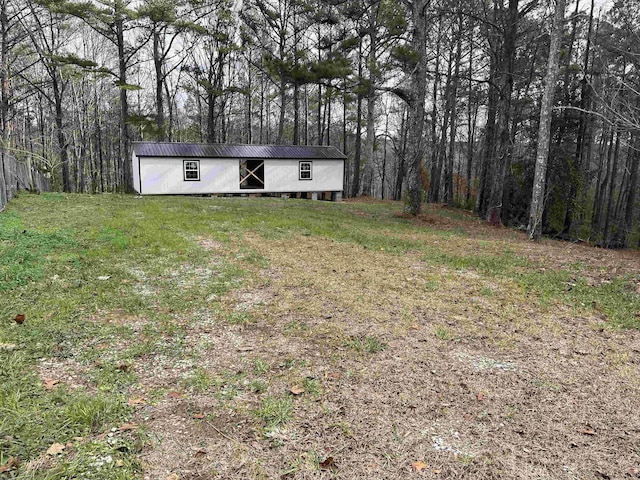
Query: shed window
x=191, y=170
x=305, y=170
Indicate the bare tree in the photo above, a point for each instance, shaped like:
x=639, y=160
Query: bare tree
x=534, y=228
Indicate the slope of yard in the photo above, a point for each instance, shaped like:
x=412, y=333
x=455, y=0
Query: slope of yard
x=192, y=338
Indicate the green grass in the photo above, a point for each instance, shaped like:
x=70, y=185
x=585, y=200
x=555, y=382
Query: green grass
x=199, y=381
x=33, y=418
x=77, y=265
x=311, y=386
x=443, y=333
x=365, y=344
x=274, y=411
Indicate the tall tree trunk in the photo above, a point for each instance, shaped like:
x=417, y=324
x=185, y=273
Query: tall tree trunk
x=600, y=182
x=626, y=221
x=448, y=186
x=367, y=177
x=580, y=163
x=125, y=135
x=283, y=99
x=62, y=142
x=440, y=155
x=612, y=184
x=367, y=183
x=355, y=185
x=434, y=171
x=211, y=117
x=328, y=109
x=384, y=154
x=357, y=156
x=418, y=89
x=534, y=228
x=4, y=100
x=502, y=162
x=296, y=114
x=98, y=138
x=489, y=147
x=261, y=131
x=472, y=116
x=306, y=114
x=401, y=154
x=157, y=64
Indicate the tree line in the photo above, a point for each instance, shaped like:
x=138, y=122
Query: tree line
x=526, y=111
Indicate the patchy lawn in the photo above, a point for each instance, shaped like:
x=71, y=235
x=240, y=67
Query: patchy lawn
x=192, y=338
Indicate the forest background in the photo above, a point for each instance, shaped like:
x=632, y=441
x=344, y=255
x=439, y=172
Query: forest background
x=440, y=101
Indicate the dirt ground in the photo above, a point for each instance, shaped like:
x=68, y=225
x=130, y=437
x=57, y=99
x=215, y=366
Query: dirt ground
x=408, y=370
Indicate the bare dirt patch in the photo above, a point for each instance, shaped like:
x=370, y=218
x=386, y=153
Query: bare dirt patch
x=67, y=371
x=463, y=372
x=495, y=389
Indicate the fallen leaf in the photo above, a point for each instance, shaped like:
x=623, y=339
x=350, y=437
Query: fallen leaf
x=7, y=346
x=587, y=432
x=119, y=463
x=124, y=367
x=173, y=476
x=200, y=453
x=297, y=390
x=327, y=463
x=333, y=375
x=104, y=277
x=634, y=472
x=50, y=383
x=125, y=427
x=480, y=396
x=198, y=416
x=467, y=416
x=418, y=466
x=20, y=318
x=415, y=326
x=55, y=449
x=437, y=471
x=13, y=462
x=136, y=401
x=174, y=395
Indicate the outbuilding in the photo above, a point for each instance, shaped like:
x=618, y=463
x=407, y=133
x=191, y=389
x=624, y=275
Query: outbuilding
x=161, y=168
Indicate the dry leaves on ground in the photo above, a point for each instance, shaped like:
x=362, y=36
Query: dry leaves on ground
x=13, y=462
x=49, y=383
x=419, y=466
x=55, y=449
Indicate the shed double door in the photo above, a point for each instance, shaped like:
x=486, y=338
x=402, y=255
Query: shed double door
x=252, y=174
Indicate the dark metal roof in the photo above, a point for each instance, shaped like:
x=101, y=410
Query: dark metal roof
x=202, y=150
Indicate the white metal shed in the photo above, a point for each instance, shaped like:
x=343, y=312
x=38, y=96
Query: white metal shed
x=193, y=168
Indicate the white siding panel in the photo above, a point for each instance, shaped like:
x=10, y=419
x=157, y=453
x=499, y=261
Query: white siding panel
x=165, y=176
x=282, y=176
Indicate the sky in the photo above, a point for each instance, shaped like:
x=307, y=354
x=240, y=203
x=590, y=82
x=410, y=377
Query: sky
x=602, y=4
